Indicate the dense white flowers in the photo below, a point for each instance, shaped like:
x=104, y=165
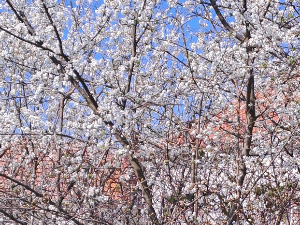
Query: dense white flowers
x=135, y=111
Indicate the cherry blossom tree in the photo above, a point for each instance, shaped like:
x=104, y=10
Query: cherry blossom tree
x=149, y=112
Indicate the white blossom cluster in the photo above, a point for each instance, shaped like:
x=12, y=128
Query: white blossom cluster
x=149, y=112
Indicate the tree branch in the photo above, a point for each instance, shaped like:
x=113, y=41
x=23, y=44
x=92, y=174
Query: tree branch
x=12, y=217
x=38, y=194
x=27, y=41
x=21, y=17
x=85, y=93
x=56, y=32
x=224, y=22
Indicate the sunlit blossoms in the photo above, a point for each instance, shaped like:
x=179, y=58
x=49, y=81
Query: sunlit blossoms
x=149, y=112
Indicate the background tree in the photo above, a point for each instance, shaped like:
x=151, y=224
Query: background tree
x=137, y=112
